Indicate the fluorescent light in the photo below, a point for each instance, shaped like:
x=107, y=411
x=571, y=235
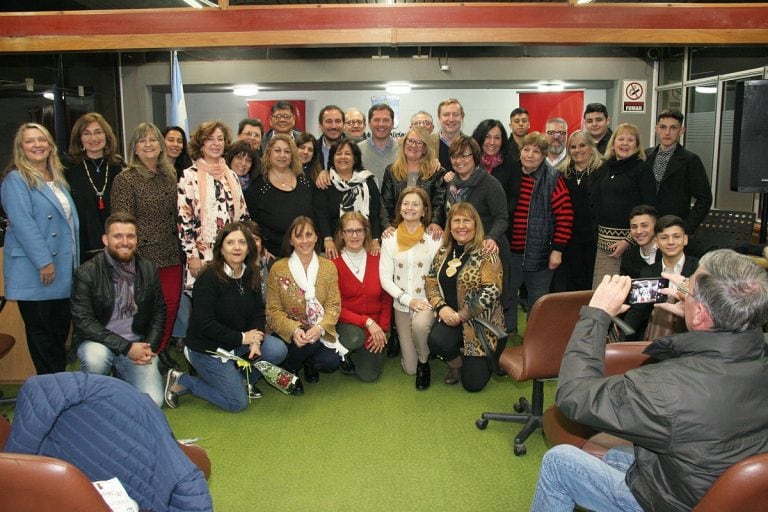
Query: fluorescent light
x=551, y=87
x=398, y=88
x=245, y=90
x=48, y=95
x=193, y=3
x=706, y=89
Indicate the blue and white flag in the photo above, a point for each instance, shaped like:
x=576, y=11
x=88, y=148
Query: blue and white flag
x=178, y=110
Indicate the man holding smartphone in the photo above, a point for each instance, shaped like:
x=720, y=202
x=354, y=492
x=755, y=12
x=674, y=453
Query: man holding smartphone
x=690, y=416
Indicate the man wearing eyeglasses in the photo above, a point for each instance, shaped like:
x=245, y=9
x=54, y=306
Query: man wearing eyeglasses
x=354, y=124
x=557, y=134
x=282, y=119
x=690, y=416
x=250, y=130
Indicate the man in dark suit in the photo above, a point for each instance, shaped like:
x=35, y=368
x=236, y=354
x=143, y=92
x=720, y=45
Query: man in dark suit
x=680, y=175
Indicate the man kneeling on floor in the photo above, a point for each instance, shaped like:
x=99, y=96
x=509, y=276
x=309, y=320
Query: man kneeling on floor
x=691, y=416
x=118, y=311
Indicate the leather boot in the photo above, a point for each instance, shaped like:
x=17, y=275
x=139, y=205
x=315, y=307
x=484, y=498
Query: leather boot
x=422, y=376
x=166, y=362
x=393, y=347
x=454, y=371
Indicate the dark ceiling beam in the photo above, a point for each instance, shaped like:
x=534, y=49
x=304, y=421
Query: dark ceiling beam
x=646, y=24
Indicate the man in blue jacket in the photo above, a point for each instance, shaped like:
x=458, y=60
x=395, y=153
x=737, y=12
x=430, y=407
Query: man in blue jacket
x=690, y=416
x=118, y=310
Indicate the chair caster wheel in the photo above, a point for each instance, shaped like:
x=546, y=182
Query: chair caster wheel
x=520, y=450
x=521, y=405
x=481, y=424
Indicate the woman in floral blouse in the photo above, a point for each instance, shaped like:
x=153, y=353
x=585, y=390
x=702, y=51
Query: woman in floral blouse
x=210, y=197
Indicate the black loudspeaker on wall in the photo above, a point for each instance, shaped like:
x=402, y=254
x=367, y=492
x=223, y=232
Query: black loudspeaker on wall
x=749, y=167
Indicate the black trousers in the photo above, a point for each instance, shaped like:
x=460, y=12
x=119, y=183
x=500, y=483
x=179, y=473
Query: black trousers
x=46, y=323
x=445, y=341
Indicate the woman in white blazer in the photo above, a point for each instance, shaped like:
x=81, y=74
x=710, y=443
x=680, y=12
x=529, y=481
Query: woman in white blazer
x=41, y=244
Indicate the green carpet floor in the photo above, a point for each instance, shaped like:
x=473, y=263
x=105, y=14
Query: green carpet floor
x=351, y=446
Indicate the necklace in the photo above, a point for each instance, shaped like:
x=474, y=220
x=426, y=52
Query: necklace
x=454, y=264
x=282, y=183
x=355, y=263
x=239, y=283
x=580, y=175
x=97, y=166
x=99, y=193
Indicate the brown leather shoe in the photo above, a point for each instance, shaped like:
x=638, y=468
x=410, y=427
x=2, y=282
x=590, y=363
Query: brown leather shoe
x=453, y=376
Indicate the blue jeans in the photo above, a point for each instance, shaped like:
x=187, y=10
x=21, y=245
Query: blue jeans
x=98, y=358
x=222, y=383
x=570, y=476
x=537, y=283
x=182, y=315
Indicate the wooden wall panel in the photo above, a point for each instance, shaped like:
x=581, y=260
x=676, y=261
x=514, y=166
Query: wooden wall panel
x=378, y=24
x=17, y=365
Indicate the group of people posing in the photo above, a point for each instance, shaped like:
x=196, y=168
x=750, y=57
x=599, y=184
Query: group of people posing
x=305, y=251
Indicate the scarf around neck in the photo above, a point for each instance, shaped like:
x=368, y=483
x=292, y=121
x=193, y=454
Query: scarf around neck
x=406, y=240
x=124, y=276
x=306, y=280
x=355, y=194
x=206, y=174
x=490, y=162
x=459, y=189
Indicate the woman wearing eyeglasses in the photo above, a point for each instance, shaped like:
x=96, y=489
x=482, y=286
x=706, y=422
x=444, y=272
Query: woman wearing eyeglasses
x=414, y=167
x=353, y=188
x=366, y=309
x=472, y=184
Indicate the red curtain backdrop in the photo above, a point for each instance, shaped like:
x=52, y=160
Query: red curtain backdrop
x=261, y=109
x=543, y=105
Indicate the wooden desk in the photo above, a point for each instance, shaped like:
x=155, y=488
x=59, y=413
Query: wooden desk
x=17, y=365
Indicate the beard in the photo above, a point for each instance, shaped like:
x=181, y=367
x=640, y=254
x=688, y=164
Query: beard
x=120, y=257
x=556, y=149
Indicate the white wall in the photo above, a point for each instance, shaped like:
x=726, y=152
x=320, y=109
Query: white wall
x=314, y=80
x=479, y=104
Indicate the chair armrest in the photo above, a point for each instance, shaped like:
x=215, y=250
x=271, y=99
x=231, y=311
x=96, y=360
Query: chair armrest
x=198, y=456
x=625, y=356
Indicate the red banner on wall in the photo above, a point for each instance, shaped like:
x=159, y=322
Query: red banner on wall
x=262, y=109
x=544, y=105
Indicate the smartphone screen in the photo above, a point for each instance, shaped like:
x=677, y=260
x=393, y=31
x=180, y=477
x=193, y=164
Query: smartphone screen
x=647, y=290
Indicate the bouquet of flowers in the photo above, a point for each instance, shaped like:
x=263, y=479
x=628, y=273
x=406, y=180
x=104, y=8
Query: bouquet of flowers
x=279, y=378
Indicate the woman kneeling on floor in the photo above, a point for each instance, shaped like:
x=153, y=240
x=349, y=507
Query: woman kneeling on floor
x=464, y=283
x=227, y=313
x=366, y=309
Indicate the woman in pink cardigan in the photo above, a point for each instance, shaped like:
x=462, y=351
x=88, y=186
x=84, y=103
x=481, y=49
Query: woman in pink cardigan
x=366, y=309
